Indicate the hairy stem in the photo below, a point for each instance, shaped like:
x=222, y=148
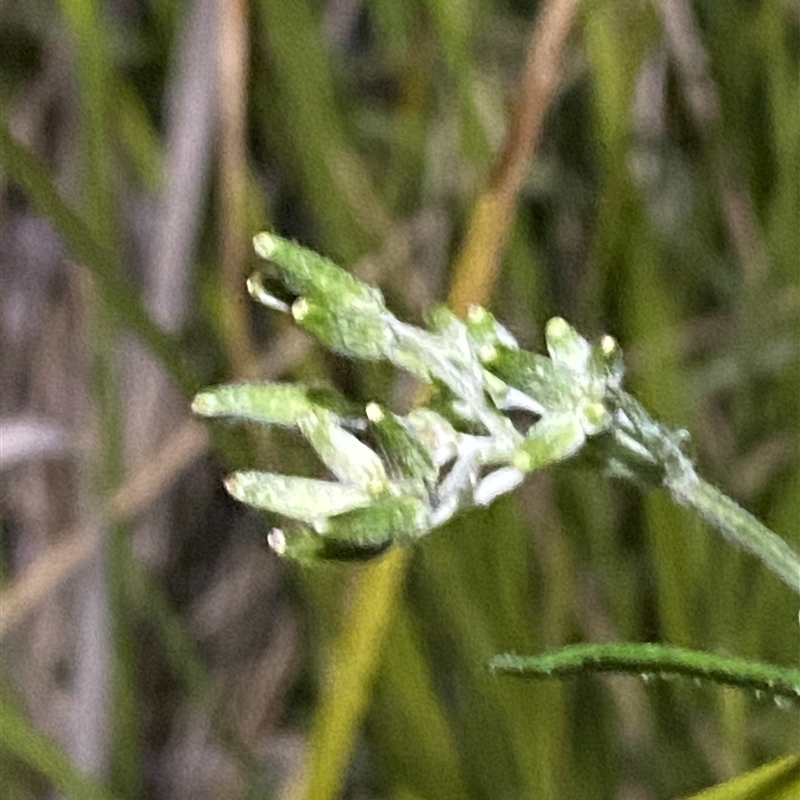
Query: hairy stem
x=739, y=527
x=654, y=659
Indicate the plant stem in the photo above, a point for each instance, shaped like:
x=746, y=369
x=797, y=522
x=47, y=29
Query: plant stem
x=653, y=659
x=738, y=526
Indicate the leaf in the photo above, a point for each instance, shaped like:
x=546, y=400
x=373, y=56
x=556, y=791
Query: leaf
x=532, y=374
x=778, y=780
x=304, y=499
x=401, y=449
x=311, y=275
x=308, y=547
x=271, y=403
x=497, y=483
x=25, y=169
x=40, y=752
x=268, y=403
x=566, y=347
x=487, y=333
x=554, y=438
x=654, y=659
x=353, y=326
x=259, y=289
x=344, y=313
x=389, y=519
x=349, y=459
x=437, y=435
x=442, y=320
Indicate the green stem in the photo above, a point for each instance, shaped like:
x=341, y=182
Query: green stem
x=122, y=298
x=739, y=527
x=654, y=659
x=43, y=754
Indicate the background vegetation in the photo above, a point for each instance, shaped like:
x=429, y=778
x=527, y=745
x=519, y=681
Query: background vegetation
x=630, y=165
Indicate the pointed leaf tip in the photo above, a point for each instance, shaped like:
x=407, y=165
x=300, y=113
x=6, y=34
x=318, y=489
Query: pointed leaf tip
x=566, y=346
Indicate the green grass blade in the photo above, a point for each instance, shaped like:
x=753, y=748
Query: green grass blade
x=122, y=298
x=20, y=739
x=310, y=120
x=778, y=780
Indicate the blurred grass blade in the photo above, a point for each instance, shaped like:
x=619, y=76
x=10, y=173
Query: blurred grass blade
x=351, y=665
x=180, y=651
x=25, y=170
x=41, y=753
x=778, y=780
x=310, y=120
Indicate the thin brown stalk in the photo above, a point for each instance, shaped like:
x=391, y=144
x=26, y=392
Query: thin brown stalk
x=232, y=63
x=702, y=99
x=478, y=263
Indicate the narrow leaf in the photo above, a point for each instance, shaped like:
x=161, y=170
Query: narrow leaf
x=303, y=499
x=26, y=171
x=401, y=449
x=268, y=403
x=349, y=459
x=654, y=659
x=566, y=347
x=778, y=780
x=257, y=286
x=487, y=333
x=497, y=483
x=352, y=326
x=40, y=752
x=309, y=274
x=437, y=435
x=552, y=439
x=310, y=548
x=389, y=519
x=530, y=373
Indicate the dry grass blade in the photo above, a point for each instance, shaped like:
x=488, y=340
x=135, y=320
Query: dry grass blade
x=135, y=495
x=479, y=260
x=691, y=59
